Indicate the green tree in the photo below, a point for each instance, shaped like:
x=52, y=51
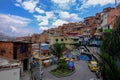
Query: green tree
x=111, y=41
x=109, y=67
x=62, y=65
x=110, y=52
x=57, y=49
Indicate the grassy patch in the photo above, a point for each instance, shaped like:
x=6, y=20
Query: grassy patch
x=61, y=73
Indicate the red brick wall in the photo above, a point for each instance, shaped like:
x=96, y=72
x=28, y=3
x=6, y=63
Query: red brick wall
x=8, y=47
x=43, y=38
x=111, y=16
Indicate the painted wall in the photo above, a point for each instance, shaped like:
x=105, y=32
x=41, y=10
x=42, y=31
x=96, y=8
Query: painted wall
x=104, y=20
x=60, y=39
x=66, y=40
x=10, y=74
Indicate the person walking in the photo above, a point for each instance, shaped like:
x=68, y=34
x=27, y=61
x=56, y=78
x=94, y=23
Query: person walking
x=32, y=66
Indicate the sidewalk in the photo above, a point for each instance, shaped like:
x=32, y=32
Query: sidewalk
x=26, y=75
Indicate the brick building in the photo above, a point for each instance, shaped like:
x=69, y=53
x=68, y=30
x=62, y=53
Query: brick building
x=112, y=15
x=17, y=50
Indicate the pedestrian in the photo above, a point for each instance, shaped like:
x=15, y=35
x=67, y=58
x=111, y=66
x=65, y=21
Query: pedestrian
x=32, y=66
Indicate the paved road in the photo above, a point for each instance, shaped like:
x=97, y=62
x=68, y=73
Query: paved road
x=82, y=73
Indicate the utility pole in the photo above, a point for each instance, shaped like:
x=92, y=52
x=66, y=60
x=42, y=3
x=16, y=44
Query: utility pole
x=40, y=61
x=115, y=8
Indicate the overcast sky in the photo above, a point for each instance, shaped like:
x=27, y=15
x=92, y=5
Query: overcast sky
x=25, y=17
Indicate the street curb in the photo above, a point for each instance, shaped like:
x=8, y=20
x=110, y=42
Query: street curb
x=63, y=75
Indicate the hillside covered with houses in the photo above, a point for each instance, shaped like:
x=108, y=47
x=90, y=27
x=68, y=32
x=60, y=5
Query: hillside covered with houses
x=99, y=24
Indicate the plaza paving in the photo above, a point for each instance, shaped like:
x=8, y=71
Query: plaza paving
x=82, y=73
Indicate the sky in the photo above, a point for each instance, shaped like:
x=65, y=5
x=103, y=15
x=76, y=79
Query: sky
x=25, y=17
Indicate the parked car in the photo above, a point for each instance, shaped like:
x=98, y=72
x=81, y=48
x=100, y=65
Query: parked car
x=93, y=65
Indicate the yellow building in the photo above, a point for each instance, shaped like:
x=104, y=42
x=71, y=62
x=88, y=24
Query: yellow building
x=61, y=39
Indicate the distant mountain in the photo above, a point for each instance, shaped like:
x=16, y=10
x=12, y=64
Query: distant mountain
x=4, y=37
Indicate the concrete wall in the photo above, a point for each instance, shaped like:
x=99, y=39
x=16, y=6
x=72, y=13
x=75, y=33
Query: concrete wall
x=104, y=20
x=10, y=74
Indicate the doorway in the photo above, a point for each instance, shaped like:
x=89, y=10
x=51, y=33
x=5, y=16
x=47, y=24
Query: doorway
x=25, y=64
x=15, y=53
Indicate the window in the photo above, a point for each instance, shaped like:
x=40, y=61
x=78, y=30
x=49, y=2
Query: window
x=108, y=26
x=62, y=40
x=44, y=54
x=56, y=40
x=2, y=52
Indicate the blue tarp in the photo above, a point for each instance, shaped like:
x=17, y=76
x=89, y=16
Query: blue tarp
x=22, y=49
x=69, y=55
x=45, y=47
x=70, y=64
x=83, y=57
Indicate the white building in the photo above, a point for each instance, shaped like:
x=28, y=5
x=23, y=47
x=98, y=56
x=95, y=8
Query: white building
x=9, y=69
x=104, y=20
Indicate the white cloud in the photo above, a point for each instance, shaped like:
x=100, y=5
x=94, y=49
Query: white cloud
x=64, y=15
x=19, y=1
x=88, y=3
x=14, y=29
x=40, y=10
x=18, y=5
x=29, y=5
x=43, y=28
x=74, y=17
x=63, y=4
x=49, y=14
x=13, y=24
x=61, y=1
x=40, y=18
x=69, y=17
x=9, y=20
x=19, y=31
x=44, y=22
x=58, y=23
